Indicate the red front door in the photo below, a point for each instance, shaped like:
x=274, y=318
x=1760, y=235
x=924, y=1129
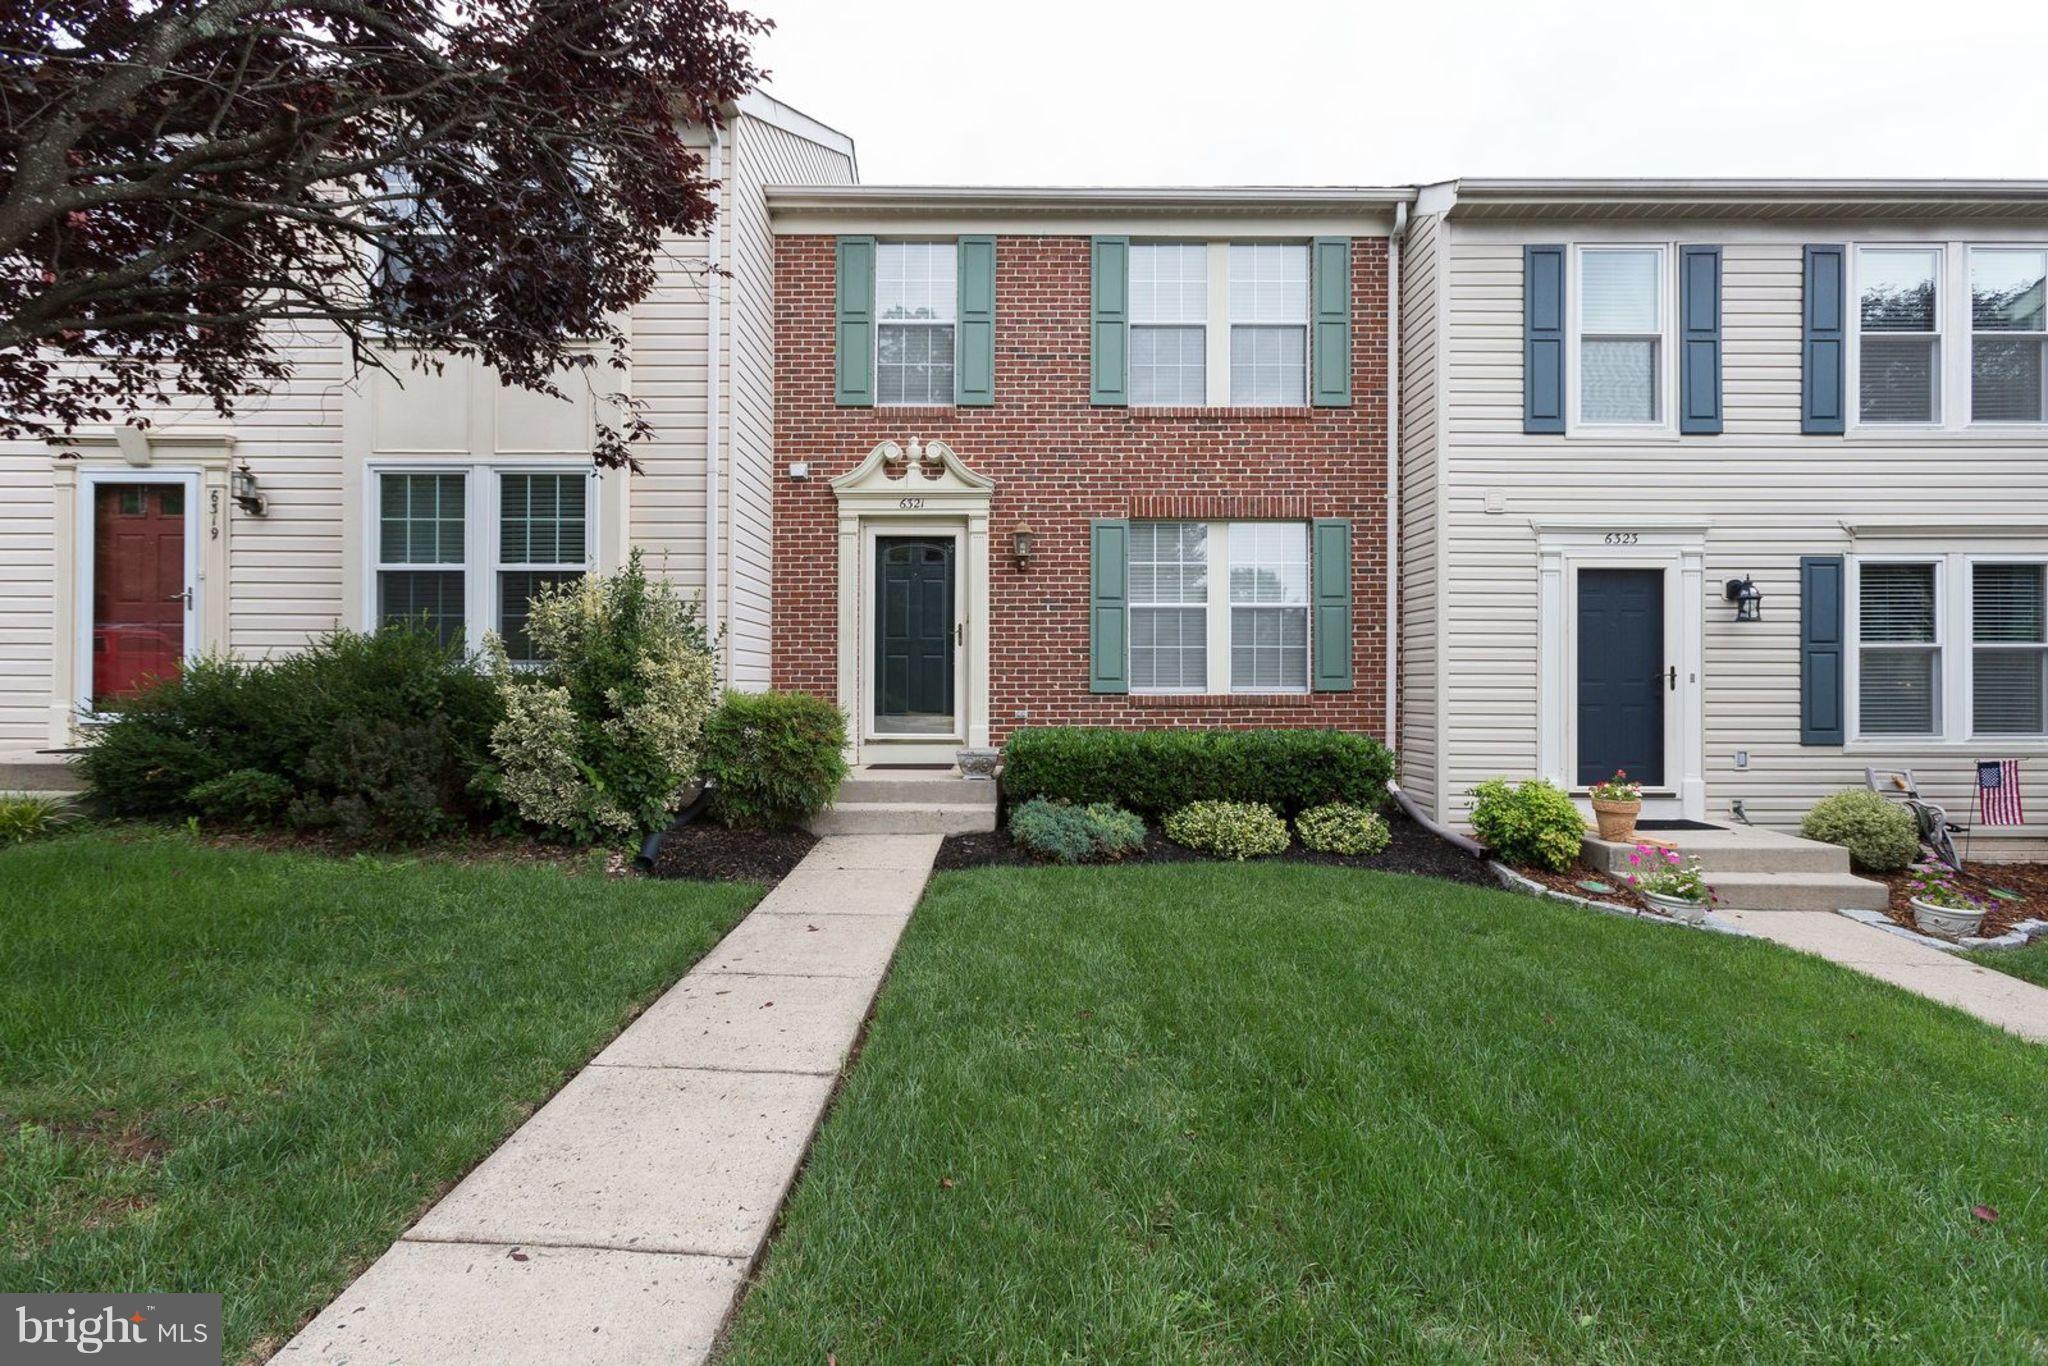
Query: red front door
x=138, y=586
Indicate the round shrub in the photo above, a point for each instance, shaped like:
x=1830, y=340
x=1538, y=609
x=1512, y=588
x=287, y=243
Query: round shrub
x=1534, y=823
x=774, y=759
x=1340, y=828
x=1879, y=834
x=1232, y=830
x=1065, y=833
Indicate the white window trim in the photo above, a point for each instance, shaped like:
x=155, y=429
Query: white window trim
x=1970, y=647
x=1944, y=657
x=1969, y=336
x=1666, y=424
x=482, y=559
x=1954, y=416
x=1216, y=610
x=953, y=325
x=1217, y=278
x=1217, y=327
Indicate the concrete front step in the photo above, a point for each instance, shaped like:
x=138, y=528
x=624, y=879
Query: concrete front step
x=1743, y=849
x=947, y=788
x=1751, y=891
x=904, y=818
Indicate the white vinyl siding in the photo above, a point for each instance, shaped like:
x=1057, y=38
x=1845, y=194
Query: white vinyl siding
x=917, y=295
x=1169, y=324
x=1422, y=297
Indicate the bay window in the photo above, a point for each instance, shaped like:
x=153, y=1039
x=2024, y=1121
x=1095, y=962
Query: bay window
x=1169, y=324
x=1219, y=600
x=917, y=301
x=1621, y=335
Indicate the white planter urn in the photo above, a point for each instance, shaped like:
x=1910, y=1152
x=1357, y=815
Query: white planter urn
x=1950, y=922
x=1677, y=907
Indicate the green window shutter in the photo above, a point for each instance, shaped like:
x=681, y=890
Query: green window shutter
x=1108, y=607
x=974, y=357
x=1331, y=343
x=1330, y=592
x=854, y=339
x=1109, y=339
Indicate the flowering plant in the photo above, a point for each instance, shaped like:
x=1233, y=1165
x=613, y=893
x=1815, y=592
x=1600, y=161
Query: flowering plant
x=1617, y=789
x=1936, y=886
x=1663, y=872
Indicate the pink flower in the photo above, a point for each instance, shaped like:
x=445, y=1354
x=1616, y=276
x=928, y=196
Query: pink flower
x=1635, y=858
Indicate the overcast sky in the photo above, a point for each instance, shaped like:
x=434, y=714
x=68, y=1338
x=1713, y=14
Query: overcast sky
x=1106, y=92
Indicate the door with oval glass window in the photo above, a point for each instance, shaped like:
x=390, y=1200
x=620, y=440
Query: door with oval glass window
x=916, y=631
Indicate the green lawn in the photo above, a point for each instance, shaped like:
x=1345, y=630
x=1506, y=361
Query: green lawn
x=246, y=1072
x=2030, y=962
x=1286, y=1113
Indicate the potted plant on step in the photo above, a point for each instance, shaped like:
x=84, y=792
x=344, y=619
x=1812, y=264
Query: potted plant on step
x=1670, y=884
x=1616, y=804
x=1940, y=906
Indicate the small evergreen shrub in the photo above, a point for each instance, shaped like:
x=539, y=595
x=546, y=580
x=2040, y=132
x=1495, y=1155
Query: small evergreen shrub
x=600, y=740
x=1153, y=772
x=1232, y=830
x=774, y=759
x=1064, y=833
x=24, y=818
x=247, y=796
x=1533, y=823
x=1340, y=828
x=1880, y=834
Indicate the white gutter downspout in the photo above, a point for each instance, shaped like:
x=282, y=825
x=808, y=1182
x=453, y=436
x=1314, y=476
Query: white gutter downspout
x=1394, y=471
x=714, y=359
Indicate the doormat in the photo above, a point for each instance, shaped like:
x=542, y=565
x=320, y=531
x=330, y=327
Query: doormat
x=1675, y=825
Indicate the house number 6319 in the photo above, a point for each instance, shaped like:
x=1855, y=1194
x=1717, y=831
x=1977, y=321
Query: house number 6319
x=910, y=502
x=1622, y=537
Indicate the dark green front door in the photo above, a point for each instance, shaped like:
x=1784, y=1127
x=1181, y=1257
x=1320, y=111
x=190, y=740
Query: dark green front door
x=1623, y=675
x=914, y=635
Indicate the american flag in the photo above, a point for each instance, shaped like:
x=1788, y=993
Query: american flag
x=1998, y=792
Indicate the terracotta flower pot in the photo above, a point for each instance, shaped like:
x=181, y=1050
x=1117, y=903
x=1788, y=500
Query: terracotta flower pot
x=1617, y=819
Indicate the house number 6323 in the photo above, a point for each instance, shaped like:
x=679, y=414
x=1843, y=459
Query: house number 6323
x=910, y=502
x=1622, y=537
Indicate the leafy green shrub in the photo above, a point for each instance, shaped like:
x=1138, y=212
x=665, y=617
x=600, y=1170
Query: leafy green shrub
x=24, y=818
x=600, y=740
x=1153, y=772
x=379, y=737
x=1879, y=833
x=1533, y=823
x=774, y=759
x=1065, y=833
x=1340, y=828
x=1232, y=830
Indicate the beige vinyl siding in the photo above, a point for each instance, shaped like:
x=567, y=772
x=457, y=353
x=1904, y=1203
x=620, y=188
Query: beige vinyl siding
x=27, y=601
x=1421, y=303
x=1767, y=493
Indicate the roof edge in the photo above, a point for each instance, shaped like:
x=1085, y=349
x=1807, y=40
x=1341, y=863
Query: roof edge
x=1057, y=199
x=765, y=107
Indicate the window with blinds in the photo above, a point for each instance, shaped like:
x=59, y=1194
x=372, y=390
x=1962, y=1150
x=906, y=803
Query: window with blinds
x=917, y=298
x=422, y=538
x=2008, y=649
x=1899, y=650
x=1169, y=340
x=543, y=522
x=1269, y=323
x=1269, y=606
x=1621, y=334
x=2008, y=334
x=1169, y=586
x=1898, y=371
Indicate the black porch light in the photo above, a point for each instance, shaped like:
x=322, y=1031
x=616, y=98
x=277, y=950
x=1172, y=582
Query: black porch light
x=1747, y=597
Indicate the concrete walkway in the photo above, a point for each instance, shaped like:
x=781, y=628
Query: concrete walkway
x=2007, y=1002
x=618, y=1224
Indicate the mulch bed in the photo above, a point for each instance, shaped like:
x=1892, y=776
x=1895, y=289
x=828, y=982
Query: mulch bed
x=1413, y=850
x=708, y=851
x=1568, y=883
x=2029, y=880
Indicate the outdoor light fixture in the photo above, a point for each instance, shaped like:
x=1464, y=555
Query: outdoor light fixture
x=1020, y=544
x=1747, y=597
x=242, y=488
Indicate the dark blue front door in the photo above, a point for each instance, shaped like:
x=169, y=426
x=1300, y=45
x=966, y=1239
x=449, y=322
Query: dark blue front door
x=914, y=635
x=1623, y=676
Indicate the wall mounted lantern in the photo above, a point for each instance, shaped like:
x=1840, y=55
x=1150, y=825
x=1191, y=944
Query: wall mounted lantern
x=1020, y=544
x=242, y=488
x=1747, y=597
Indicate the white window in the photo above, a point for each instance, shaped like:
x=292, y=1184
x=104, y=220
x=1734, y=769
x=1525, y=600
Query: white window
x=2008, y=648
x=1898, y=312
x=916, y=302
x=465, y=551
x=1899, y=649
x=1269, y=324
x=2008, y=329
x=1215, y=600
x=1169, y=324
x=1621, y=335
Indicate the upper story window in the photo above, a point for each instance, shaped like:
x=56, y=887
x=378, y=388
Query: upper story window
x=916, y=300
x=1169, y=323
x=1899, y=312
x=1621, y=335
x=2008, y=328
x=1269, y=324
x=1949, y=335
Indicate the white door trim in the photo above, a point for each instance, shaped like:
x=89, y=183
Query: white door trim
x=87, y=544
x=1680, y=551
x=873, y=529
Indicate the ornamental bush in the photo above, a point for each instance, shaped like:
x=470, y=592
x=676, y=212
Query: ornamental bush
x=1880, y=834
x=1232, y=830
x=24, y=817
x=1153, y=772
x=1340, y=828
x=1064, y=833
x=774, y=759
x=1534, y=823
x=600, y=740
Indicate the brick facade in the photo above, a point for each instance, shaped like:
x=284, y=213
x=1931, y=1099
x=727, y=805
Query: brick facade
x=1058, y=462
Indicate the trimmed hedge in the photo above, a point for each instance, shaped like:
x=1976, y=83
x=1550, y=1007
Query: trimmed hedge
x=1156, y=772
x=774, y=759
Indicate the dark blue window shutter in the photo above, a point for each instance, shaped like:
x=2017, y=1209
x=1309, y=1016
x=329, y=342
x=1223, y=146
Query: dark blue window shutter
x=1543, y=339
x=1821, y=647
x=1109, y=274
x=1109, y=560
x=1823, y=403
x=854, y=330
x=1330, y=590
x=1699, y=345
x=974, y=363
x=1330, y=350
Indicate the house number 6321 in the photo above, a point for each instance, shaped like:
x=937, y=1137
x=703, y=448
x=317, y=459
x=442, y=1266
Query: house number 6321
x=1622, y=537
x=910, y=502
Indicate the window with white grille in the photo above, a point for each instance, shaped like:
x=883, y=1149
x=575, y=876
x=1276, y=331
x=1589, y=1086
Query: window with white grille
x=1269, y=323
x=917, y=301
x=1169, y=586
x=1169, y=324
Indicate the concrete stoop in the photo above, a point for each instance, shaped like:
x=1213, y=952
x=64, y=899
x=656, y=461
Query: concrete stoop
x=1755, y=870
x=908, y=802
